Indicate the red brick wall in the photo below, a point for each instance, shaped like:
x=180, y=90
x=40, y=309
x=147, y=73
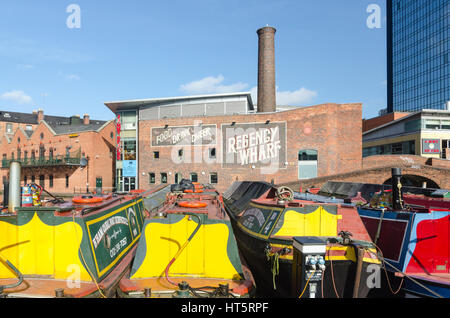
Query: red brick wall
x=332, y=129
x=372, y=123
x=377, y=170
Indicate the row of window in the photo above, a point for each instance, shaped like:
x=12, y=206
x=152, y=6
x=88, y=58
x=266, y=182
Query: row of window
x=399, y=148
x=193, y=176
x=212, y=153
x=42, y=180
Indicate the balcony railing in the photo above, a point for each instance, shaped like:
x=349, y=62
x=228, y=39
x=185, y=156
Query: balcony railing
x=43, y=161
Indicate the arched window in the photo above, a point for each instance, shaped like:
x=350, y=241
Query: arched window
x=307, y=164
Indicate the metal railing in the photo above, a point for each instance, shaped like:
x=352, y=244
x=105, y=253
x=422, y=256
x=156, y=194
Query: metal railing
x=44, y=161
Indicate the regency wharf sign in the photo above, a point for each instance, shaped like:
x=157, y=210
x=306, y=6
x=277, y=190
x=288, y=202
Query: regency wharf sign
x=254, y=144
x=184, y=135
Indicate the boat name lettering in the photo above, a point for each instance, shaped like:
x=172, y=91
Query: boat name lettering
x=106, y=226
x=116, y=248
x=256, y=213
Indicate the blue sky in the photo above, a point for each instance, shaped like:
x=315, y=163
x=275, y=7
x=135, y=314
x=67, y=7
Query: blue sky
x=144, y=49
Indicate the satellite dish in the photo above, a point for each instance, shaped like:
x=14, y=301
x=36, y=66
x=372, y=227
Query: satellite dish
x=83, y=162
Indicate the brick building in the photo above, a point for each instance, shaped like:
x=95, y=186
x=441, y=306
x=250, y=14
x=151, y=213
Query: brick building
x=424, y=133
x=218, y=139
x=63, y=154
x=221, y=138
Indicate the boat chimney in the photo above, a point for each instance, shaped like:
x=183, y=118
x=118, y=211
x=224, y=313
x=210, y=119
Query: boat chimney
x=14, y=187
x=397, y=197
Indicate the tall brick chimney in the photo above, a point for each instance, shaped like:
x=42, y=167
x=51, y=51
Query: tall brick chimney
x=266, y=70
x=86, y=119
x=40, y=114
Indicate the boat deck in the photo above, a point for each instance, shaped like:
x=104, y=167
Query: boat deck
x=214, y=208
x=45, y=288
x=160, y=287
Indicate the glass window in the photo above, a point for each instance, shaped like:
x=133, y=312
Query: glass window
x=128, y=121
x=213, y=179
x=445, y=124
x=50, y=181
x=129, y=149
x=307, y=155
x=212, y=152
x=163, y=177
x=432, y=124
x=194, y=177
x=156, y=154
x=152, y=178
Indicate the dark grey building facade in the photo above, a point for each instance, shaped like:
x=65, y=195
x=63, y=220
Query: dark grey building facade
x=418, y=57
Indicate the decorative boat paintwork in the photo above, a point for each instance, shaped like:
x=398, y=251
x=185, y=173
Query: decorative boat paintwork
x=187, y=252
x=265, y=227
x=414, y=242
x=62, y=248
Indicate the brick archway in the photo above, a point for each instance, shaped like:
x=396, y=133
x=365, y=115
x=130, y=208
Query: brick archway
x=378, y=169
x=410, y=180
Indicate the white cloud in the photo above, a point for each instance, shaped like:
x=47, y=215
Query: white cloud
x=298, y=97
x=73, y=77
x=25, y=67
x=212, y=85
x=17, y=96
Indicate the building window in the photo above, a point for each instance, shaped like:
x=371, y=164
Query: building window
x=25, y=180
x=213, y=179
x=432, y=124
x=9, y=128
x=151, y=178
x=42, y=135
x=129, y=148
x=67, y=180
x=50, y=181
x=307, y=164
x=163, y=177
x=33, y=179
x=194, y=177
x=156, y=154
x=212, y=153
x=28, y=128
x=42, y=180
x=180, y=153
x=178, y=177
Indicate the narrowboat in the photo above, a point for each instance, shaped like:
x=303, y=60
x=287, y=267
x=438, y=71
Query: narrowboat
x=78, y=247
x=412, y=233
x=187, y=249
x=267, y=219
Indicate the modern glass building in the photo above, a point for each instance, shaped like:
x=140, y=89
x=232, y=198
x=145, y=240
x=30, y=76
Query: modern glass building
x=418, y=54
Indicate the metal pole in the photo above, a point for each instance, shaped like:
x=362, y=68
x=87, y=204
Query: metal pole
x=14, y=187
x=358, y=271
